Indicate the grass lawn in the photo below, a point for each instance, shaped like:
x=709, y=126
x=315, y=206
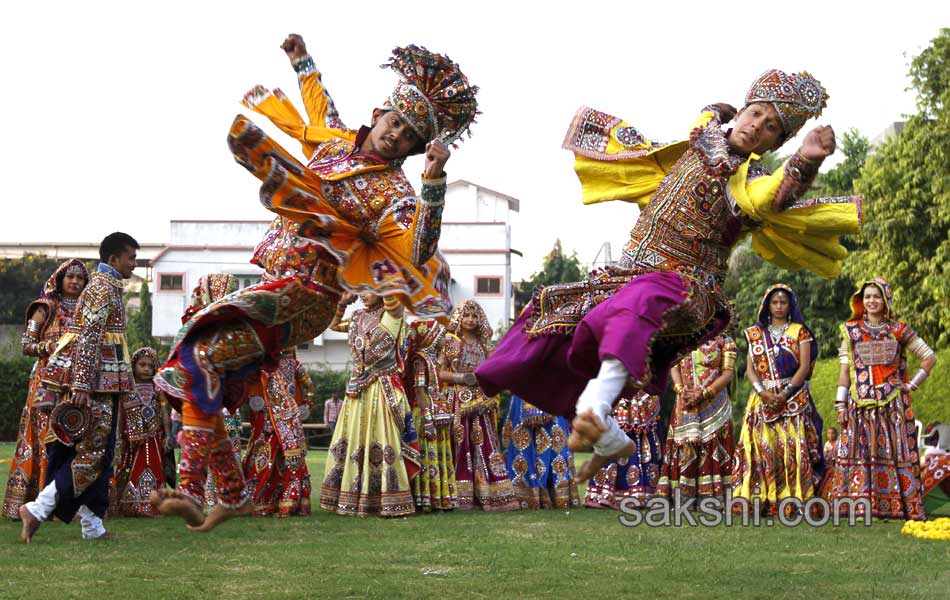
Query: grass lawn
x=582, y=553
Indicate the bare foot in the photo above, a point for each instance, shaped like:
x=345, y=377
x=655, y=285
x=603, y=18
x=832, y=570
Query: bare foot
x=597, y=462
x=172, y=502
x=586, y=429
x=30, y=524
x=219, y=514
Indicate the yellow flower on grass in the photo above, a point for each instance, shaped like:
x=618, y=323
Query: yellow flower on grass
x=938, y=529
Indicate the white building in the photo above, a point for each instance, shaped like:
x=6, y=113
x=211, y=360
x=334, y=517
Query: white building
x=476, y=242
x=196, y=248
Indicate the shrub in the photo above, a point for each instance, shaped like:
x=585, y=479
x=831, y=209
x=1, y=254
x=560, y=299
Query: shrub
x=14, y=380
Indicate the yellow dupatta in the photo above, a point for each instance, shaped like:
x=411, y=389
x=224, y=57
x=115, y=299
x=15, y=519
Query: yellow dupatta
x=803, y=236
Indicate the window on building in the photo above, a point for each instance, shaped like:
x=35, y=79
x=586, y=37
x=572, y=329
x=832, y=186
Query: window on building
x=247, y=280
x=171, y=282
x=488, y=286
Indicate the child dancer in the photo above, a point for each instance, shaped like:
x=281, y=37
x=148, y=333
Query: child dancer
x=145, y=423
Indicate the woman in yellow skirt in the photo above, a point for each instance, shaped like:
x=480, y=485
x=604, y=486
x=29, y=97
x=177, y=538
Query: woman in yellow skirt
x=371, y=461
x=779, y=450
x=434, y=488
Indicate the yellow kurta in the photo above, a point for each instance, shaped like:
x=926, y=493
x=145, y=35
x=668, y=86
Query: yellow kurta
x=361, y=227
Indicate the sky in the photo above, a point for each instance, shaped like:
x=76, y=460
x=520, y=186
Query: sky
x=115, y=114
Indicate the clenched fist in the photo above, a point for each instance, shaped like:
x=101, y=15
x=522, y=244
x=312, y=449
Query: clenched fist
x=294, y=46
x=819, y=143
x=437, y=154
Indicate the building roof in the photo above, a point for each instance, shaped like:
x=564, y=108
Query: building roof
x=81, y=250
x=192, y=247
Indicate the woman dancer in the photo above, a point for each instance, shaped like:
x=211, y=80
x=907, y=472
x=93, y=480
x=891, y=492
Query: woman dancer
x=480, y=470
x=435, y=487
x=779, y=454
x=699, y=445
x=145, y=421
x=370, y=465
x=636, y=476
x=540, y=464
x=877, y=459
x=46, y=320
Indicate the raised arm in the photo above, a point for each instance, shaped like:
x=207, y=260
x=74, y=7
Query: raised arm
x=339, y=324
x=321, y=111
x=427, y=222
x=801, y=169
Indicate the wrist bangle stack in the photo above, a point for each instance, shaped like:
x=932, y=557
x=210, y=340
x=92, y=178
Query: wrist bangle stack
x=33, y=329
x=841, y=398
x=303, y=65
x=709, y=393
x=678, y=388
x=758, y=387
x=918, y=378
x=790, y=390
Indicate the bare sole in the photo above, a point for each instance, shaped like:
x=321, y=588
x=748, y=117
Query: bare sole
x=174, y=503
x=30, y=524
x=586, y=429
x=597, y=462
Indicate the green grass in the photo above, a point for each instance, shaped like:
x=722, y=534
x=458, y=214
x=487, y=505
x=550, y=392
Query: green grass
x=536, y=554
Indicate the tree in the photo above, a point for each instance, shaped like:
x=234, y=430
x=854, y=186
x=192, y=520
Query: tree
x=21, y=281
x=556, y=268
x=840, y=180
x=139, y=326
x=906, y=185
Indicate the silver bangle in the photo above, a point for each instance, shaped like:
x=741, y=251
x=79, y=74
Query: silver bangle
x=841, y=397
x=790, y=390
x=758, y=387
x=33, y=329
x=918, y=378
